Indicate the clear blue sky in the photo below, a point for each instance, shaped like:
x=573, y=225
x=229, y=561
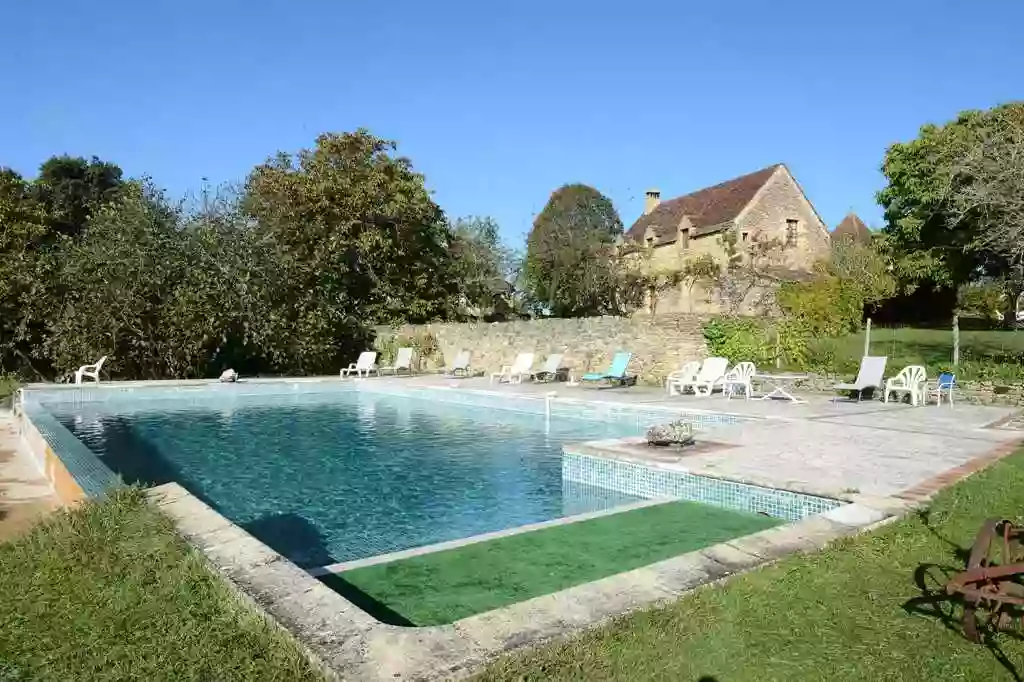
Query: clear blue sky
x=499, y=104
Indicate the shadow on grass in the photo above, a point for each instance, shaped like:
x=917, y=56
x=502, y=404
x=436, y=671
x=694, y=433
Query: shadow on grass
x=935, y=602
x=364, y=601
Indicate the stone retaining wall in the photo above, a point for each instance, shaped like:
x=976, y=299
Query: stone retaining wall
x=659, y=344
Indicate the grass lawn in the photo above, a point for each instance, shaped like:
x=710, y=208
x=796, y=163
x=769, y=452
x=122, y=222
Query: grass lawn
x=110, y=592
x=847, y=613
x=983, y=354
x=444, y=586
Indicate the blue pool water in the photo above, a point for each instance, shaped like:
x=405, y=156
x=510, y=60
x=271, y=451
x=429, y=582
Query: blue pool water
x=350, y=474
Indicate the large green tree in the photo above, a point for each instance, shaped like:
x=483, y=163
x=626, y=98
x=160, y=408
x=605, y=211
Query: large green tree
x=933, y=240
x=571, y=266
x=360, y=239
x=22, y=225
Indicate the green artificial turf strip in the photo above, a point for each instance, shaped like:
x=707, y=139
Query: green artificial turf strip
x=444, y=586
x=109, y=591
x=847, y=613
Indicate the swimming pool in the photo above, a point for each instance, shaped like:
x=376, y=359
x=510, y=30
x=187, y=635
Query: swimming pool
x=343, y=474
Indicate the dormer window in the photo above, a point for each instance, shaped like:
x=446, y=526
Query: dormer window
x=649, y=236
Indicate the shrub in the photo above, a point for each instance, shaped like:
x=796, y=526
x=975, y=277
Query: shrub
x=8, y=385
x=826, y=306
x=763, y=342
x=424, y=346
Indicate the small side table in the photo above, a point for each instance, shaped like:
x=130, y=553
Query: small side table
x=781, y=385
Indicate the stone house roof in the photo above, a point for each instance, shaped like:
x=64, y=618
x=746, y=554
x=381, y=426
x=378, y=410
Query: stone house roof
x=709, y=210
x=852, y=227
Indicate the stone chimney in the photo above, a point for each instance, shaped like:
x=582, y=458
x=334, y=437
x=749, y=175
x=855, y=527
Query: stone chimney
x=651, y=200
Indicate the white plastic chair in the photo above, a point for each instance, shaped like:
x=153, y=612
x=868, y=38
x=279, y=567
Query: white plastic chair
x=711, y=372
x=90, y=371
x=363, y=366
x=403, y=360
x=515, y=372
x=911, y=380
x=739, y=377
x=686, y=373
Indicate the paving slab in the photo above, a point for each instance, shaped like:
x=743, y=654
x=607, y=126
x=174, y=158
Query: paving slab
x=25, y=496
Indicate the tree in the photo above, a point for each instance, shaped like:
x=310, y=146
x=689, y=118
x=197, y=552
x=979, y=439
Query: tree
x=571, y=266
x=703, y=268
x=483, y=266
x=932, y=229
x=751, y=274
x=111, y=286
x=359, y=239
x=71, y=188
x=862, y=268
x=987, y=194
x=22, y=225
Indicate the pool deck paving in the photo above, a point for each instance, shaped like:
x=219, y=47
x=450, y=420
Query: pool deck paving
x=25, y=495
x=820, y=447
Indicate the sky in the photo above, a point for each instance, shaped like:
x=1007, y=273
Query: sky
x=500, y=104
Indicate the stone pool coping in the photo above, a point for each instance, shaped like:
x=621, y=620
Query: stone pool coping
x=348, y=643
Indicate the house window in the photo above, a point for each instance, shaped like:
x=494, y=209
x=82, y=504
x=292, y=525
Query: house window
x=745, y=236
x=791, y=232
x=684, y=239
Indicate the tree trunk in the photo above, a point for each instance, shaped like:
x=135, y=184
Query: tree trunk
x=956, y=338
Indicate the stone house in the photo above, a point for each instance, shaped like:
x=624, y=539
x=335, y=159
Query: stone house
x=764, y=206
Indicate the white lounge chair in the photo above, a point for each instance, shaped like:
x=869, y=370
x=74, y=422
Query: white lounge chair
x=550, y=370
x=460, y=364
x=711, y=372
x=403, y=360
x=686, y=373
x=363, y=366
x=872, y=367
x=738, y=377
x=910, y=380
x=90, y=371
x=515, y=372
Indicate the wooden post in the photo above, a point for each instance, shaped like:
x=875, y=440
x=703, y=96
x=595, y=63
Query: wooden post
x=956, y=338
x=867, y=338
x=778, y=348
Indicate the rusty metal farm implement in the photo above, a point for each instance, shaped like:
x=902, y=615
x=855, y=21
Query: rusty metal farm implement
x=992, y=587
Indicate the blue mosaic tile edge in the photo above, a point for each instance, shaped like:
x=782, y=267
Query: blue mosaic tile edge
x=649, y=482
x=85, y=467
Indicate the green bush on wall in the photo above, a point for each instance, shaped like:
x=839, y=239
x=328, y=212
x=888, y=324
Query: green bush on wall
x=825, y=306
x=424, y=346
x=766, y=343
